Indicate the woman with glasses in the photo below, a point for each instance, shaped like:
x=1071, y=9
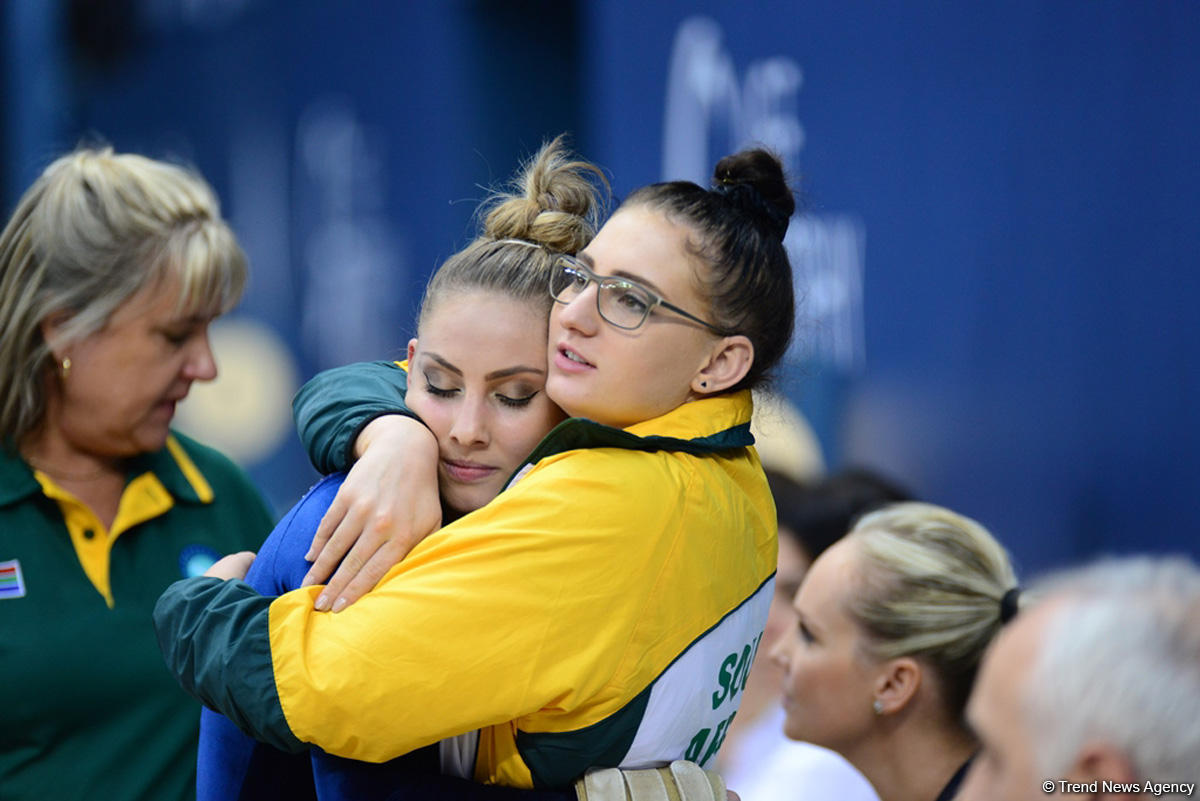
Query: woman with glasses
x=605, y=608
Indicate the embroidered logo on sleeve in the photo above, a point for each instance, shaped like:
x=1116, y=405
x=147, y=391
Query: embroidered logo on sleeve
x=195, y=559
x=12, y=584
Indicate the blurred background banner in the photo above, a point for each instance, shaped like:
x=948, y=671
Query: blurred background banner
x=998, y=265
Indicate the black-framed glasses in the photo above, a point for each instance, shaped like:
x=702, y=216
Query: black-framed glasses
x=620, y=302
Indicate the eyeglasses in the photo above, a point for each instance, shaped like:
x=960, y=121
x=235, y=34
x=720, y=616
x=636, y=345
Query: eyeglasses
x=621, y=302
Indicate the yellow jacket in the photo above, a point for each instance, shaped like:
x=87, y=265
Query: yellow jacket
x=603, y=610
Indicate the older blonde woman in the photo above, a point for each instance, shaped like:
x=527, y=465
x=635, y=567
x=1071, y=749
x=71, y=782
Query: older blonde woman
x=112, y=267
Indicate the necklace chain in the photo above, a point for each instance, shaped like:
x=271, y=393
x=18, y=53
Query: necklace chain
x=66, y=476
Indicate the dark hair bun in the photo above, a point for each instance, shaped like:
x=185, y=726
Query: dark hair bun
x=753, y=181
x=556, y=202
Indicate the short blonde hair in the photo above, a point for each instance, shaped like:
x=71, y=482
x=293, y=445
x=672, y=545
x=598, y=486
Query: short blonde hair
x=932, y=582
x=92, y=231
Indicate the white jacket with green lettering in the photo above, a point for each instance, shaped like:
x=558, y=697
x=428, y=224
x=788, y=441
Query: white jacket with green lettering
x=601, y=611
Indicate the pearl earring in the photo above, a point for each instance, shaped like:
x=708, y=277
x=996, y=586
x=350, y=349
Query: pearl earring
x=877, y=706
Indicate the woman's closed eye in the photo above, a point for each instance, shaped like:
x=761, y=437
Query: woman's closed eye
x=177, y=331
x=178, y=337
x=516, y=395
x=804, y=632
x=439, y=392
x=515, y=398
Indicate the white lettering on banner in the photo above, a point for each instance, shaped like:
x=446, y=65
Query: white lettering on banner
x=706, y=102
x=352, y=254
x=710, y=112
x=827, y=255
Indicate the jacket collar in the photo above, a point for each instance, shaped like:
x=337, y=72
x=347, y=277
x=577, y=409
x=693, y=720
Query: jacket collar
x=699, y=427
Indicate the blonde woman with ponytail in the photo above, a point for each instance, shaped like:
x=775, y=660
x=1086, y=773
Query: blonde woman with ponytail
x=893, y=621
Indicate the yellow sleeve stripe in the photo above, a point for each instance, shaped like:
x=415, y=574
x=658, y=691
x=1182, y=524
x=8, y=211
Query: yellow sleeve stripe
x=190, y=471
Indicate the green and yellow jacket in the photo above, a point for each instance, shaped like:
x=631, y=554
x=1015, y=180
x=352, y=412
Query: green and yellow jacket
x=603, y=610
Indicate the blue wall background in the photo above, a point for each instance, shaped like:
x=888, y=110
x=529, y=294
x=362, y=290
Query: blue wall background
x=999, y=263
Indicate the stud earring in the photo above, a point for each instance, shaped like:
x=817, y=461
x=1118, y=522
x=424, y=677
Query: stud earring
x=704, y=385
x=877, y=706
x=65, y=366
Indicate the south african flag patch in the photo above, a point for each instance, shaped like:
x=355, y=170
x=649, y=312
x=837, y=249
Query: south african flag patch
x=12, y=584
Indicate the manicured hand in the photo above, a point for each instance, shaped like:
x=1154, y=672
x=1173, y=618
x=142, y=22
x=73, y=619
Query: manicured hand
x=388, y=503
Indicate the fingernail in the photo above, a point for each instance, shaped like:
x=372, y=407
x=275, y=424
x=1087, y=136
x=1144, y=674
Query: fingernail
x=339, y=605
x=322, y=603
x=308, y=557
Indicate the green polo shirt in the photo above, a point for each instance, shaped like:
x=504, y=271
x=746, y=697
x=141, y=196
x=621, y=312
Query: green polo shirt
x=89, y=710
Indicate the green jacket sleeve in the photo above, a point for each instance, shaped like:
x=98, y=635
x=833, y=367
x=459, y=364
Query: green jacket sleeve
x=215, y=639
x=332, y=408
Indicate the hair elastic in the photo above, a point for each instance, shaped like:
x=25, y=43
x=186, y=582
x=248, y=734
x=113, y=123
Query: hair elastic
x=511, y=241
x=1009, y=604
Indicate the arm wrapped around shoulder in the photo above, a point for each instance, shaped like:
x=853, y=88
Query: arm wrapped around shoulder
x=335, y=405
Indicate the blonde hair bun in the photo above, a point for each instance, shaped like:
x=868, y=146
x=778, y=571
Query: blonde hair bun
x=555, y=202
x=552, y=206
